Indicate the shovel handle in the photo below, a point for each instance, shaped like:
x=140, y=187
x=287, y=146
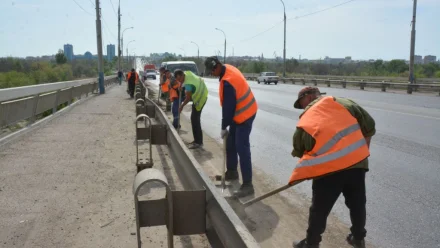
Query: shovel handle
x=273, y=192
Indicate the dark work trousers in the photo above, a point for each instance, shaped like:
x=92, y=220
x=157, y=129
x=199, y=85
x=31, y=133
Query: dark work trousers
x=238, y=144
x=197, y=125
x=326, y=190
x=175, y=111
x=131, y=88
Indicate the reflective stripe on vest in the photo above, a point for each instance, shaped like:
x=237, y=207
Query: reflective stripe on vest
x=339, y=140
x=200, y=96
x=246, y=105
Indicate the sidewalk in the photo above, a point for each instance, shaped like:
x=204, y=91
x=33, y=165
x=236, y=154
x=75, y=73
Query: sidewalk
x=69, y=183
x=278, y=220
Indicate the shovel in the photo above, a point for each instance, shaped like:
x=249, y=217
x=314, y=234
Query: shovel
x=222, y=176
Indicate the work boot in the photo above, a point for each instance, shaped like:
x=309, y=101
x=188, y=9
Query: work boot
x=195, y=146
x=355, y=242
x=303, y=244
x=231, y=175
x=245, y=190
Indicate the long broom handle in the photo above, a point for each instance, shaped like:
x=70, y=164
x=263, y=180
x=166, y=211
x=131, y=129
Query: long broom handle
x=257, y=199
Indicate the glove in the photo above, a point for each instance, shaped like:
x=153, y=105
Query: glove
x=223, y=133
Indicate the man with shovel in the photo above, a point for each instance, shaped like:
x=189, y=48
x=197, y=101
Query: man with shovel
x=239, y=109
x=332, y=140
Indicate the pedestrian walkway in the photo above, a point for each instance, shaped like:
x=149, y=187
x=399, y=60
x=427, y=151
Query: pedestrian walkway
x=69, y=182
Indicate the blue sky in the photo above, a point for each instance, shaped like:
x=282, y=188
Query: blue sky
x=363, y=29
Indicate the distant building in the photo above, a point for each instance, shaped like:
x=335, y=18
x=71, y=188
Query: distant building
x=430, y=59
x=110, y=52
x=68, y=51
x=329, y=60
x=88, y=55
x=418, y=59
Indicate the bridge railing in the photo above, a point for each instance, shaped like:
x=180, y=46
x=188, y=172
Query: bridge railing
x=28, y=102
x=427, y=85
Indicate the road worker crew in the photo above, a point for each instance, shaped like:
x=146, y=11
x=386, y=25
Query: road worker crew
x=239, y=109
x=197, y=92
x=332, y=140
x=132, y=79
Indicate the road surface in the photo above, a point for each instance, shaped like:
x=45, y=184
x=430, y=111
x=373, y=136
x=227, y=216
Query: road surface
x=403, y=200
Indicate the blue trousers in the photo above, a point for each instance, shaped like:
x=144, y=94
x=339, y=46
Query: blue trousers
x=175, y=111
x=238, y=145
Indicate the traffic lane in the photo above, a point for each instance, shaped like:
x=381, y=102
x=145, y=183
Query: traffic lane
x=399, y=193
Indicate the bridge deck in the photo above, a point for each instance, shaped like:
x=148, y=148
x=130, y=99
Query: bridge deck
x=69, y=182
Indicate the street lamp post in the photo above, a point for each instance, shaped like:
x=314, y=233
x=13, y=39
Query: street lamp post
x=122, y=41
x=284, y=51
x=224, y=58
x=197, y=48
x=119, y=37
x=412, y=48
x=127, y=50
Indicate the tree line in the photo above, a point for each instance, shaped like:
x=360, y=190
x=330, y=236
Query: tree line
x=378, y=68
x=16, y=72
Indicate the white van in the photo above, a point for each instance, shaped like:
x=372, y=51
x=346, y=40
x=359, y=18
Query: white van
x=182, y=65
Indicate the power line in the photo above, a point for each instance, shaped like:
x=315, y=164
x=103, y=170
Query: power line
x=262, y=32
x=319, y=11
x=113, y=7
x=82, y=8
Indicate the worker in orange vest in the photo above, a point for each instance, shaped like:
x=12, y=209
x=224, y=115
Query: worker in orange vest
x=175, y=90
x=132, y=79
x=239, y=109
x=332, y=140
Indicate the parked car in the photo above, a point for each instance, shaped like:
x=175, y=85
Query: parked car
x=268, y=77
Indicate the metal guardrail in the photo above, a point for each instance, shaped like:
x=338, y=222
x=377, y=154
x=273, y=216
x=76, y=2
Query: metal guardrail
x=384, y=85
x=221, y=220
x=26, y=103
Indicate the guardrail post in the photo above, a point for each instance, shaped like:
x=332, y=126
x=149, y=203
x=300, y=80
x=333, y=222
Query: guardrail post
x=383, y=86
x=344, y=84
x=144, y=134
x=328, y=82
x=34, y=111
x=362, y=85
x=57, y=97
x=153, y=212
x=409, y=89
x=71, y=96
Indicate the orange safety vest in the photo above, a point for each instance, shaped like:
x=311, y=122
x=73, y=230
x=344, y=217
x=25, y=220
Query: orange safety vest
x=137, y=77
x=340, y=143
x=173, y=91
x=165, y=86
x=246, y=105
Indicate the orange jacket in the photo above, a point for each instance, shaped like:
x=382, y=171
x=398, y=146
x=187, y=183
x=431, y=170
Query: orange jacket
x=129, y=75
x=339, y=140
x=165, y=87
x=246, y=105
x=174, y=93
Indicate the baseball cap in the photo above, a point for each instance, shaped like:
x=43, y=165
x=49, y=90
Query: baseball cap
x=304, y=92
x=211, y=62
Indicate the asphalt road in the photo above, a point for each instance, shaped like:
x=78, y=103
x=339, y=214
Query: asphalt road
x=403, y=197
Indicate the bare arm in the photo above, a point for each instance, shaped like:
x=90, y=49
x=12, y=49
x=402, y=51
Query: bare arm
x=188, y=95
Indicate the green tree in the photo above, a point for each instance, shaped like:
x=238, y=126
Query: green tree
x=60, y=57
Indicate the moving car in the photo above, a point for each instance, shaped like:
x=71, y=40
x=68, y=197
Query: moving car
x=268, y=77
x=150, y=73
